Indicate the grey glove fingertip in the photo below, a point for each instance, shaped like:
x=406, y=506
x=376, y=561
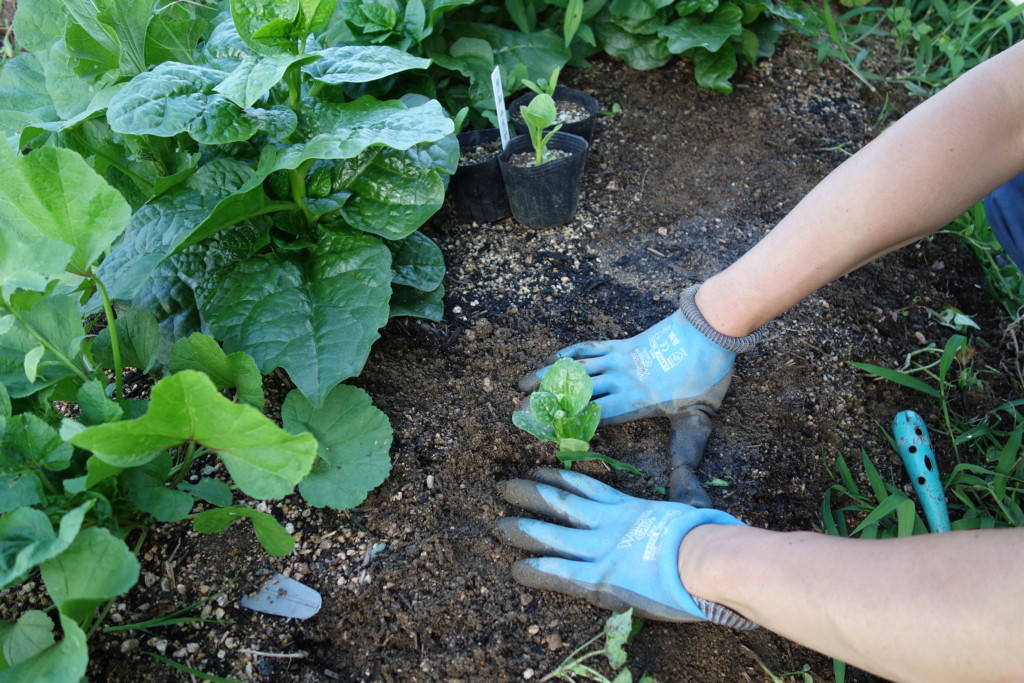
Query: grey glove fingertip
x=684, y=487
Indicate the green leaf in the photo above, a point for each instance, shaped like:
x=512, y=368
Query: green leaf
x=584, y=456
x=361, y=64
x=24, y=99
x=884, y=508
x=108, y=34
x=315, y=13
x=393, y=196
x=95, y=567
x=545, y=407
x=31, y=362
x=713, y=70
x=213, y=491
x=145, y=488
x=342, y=131
x=264, y=460
x=168, y=222
x=175, y=31
x=617, y=630
x=27, y=539
x=528, y=422
x=266, y=26
x=640, y=51
x=707, y=31
x=139, y=337
x=568, y=380
x=238, y=370
x=354, y=442
x=254, y=78
x=56, y=319
x=897, y=377
x=39, y=24
x=316, y=320
x=181, y=98
x=271, y=535
x=30, y=635
x=65, y=661
x=28, y=449
x=94, y=406
x=417, y=303
x=5, y=402
x=52, y=201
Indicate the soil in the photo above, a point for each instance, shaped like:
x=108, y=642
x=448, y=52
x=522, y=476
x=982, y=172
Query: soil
x=415, y=587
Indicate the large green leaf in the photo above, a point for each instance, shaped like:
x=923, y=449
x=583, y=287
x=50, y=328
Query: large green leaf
x=354, y=438
x=707, y=31
x=238, y=370
x=58, y=320
x=254, y=78
x=52, y=195
x=341, y=131
x=27, y=538
x=108, y=33
x=24, y=99
x=181, y=98
x=714, y=69
x=224, y=49
x=361, y=63
x=165, y=224
x=641, y=51
x=64, y=661
x=175, y=31
x=393, y=196
x=417, y=303
x=30, y=635
x=316, y=319
x=263, y=460
x=39, y=24
x=417, y=262
x=539, y=52
x=96, y=567
x=266, y=26
x=139, y=337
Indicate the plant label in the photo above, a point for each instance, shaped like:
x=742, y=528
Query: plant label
x=499, y=104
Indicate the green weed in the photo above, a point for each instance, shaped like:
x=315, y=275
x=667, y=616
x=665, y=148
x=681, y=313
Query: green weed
x=618, y=630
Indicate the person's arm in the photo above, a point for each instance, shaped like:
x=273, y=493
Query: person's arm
x=939, y=607
x=921, y=173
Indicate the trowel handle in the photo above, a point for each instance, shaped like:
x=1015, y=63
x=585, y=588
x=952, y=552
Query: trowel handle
x=915, y=449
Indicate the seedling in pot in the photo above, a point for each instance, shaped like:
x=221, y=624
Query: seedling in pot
x=544, y=86
x=538, y=115
x=561, y=411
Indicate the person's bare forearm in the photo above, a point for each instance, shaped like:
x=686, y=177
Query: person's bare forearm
x=916, y=177
x=927, y=608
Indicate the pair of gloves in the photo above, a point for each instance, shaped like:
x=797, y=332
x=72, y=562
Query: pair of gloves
x=615, y=550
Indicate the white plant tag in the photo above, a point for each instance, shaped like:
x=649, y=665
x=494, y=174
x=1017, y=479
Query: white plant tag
x=499, y=104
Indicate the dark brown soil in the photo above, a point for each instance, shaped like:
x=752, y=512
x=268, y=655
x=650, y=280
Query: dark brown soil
x=415, y=586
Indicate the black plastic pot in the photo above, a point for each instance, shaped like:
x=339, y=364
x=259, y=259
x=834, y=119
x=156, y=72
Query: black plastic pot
x=478, y=190
x=545, y=196
x=584, y=128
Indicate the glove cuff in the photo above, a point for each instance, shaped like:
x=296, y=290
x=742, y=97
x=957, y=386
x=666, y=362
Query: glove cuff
x=688, y=306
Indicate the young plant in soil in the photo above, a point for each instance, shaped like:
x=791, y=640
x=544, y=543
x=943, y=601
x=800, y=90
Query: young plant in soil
x=540, y=114
x=561, y=412
x=618, y=630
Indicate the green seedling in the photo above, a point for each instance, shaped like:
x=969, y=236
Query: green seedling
x=538, y=115
x=561, y=411
x=544, y=86
x=616, y=110
x=618, y=630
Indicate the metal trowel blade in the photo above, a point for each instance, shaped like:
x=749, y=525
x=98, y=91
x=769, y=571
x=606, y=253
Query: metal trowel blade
x=284, y=597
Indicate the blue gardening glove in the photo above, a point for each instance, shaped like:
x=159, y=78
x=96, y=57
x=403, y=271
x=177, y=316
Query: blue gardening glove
x=680, y=368
x=617, y=551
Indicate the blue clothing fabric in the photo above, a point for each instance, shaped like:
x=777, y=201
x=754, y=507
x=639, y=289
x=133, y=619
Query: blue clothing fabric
x=1004, y=209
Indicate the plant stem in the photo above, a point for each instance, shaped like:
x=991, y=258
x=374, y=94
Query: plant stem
x=298, y=183
x=115, y=345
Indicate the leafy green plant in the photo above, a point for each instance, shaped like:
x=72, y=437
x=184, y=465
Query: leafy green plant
x=76, y=489
x=1003, y=280
x=544, y=86
x=273, y=204
x=561, y=412
x=618, y=630
x=539, y=114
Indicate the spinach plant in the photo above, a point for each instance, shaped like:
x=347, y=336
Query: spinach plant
x=544, y=85
x=275, y=203
x=561, y=411
x=538, y=115
x=77, y=490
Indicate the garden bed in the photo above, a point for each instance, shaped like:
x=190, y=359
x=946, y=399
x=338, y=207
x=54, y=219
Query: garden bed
x=415, y=587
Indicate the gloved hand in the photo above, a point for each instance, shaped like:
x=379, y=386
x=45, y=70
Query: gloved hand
x=616, y=551
x=680, y=368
